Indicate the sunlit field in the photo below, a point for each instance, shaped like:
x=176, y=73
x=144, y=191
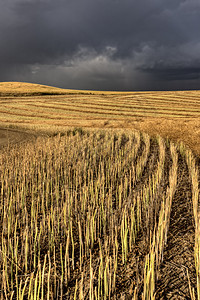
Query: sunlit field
x=100, y=215
x=170, y=114
x=91, y=207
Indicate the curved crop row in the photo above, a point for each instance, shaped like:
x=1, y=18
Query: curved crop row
x=86, y=216
x=194, y=174
x=159, y=236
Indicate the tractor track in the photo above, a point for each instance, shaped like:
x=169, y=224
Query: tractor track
x=178, y=265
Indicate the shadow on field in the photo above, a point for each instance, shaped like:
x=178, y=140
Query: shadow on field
x=10, y=136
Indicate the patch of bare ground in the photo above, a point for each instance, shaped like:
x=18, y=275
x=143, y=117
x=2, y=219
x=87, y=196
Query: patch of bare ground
x=13, y=136
x=178, y=258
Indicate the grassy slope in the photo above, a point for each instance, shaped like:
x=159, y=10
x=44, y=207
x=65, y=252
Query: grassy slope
x=171, y=114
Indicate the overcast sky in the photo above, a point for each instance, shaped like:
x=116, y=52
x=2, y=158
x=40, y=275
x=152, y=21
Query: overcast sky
x=101, y=44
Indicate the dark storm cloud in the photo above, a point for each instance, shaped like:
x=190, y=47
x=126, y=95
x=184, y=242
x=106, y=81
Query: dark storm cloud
x=101, y=44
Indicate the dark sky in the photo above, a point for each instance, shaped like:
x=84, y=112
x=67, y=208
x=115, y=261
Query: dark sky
x=101, y=44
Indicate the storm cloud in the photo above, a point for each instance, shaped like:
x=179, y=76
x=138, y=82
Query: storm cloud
x=101, y=44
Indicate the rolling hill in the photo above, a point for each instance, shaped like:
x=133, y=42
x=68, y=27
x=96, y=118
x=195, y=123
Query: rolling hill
x=175, y=115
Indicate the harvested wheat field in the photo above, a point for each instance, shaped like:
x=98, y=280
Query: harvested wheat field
x=107, y=213
x=102, y=215
x=175, y=115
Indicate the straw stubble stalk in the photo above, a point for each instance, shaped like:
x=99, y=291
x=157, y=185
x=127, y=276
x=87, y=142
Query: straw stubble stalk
x=194, y=174
x=78, y=198
x=159, y=239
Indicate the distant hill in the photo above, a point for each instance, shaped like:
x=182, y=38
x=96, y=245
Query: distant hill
x=23, y=88
x=32, y=89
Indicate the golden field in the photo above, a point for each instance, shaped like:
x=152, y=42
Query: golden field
x=94, y=204
x=175, y=115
